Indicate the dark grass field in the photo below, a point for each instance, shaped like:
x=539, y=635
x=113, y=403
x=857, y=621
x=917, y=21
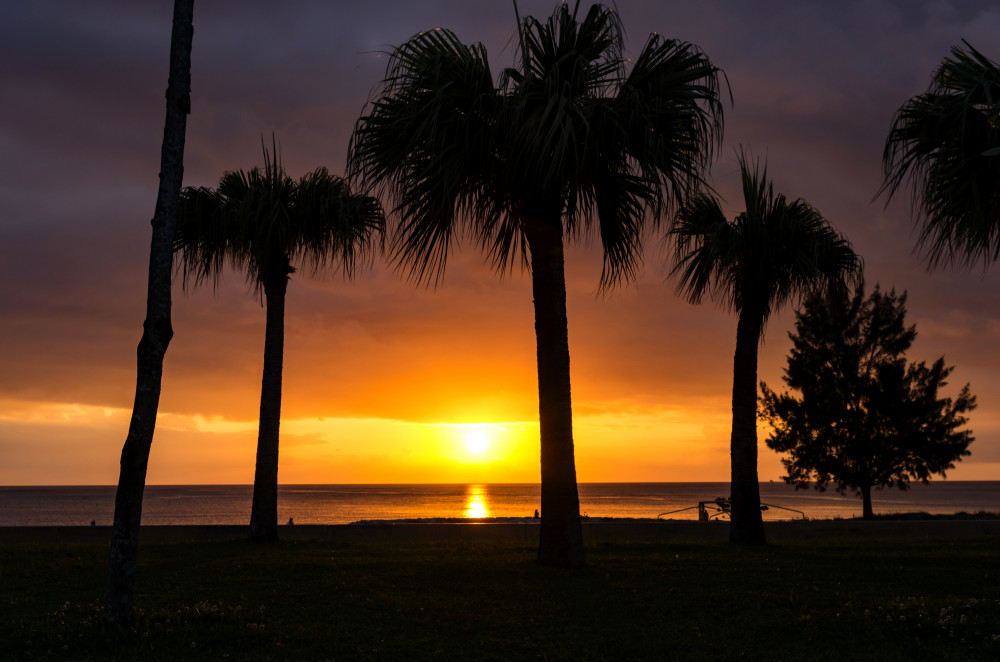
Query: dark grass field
x=295, y=600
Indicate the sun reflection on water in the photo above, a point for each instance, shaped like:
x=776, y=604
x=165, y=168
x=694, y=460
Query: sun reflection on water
x=477, y=503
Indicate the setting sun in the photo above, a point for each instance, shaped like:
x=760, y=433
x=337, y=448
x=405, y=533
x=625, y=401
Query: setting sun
x=476, y=441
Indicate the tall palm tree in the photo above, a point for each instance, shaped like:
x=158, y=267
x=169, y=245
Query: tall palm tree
x=753, y=265
x=945, y=143
x=566, y=144
x=157, y=331
x=260, y=223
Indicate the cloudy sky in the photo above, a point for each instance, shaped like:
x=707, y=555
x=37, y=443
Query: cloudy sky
x=384, y=381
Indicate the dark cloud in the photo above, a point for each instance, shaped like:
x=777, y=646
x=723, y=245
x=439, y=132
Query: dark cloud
x=814, y=86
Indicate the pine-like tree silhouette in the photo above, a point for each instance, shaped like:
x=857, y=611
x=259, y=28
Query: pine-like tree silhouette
x=859, y=414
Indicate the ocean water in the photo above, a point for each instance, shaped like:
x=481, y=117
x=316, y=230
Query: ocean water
x=342, y=504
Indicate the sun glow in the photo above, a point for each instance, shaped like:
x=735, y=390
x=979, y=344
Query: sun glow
x=476, y=441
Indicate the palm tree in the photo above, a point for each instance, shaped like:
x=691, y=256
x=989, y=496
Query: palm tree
x=771, y=253
x=260, y=223
x=566, y=144
x=157, y=331
x=946, y=144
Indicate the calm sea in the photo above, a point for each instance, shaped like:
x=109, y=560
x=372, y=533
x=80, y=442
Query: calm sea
x=342, y=504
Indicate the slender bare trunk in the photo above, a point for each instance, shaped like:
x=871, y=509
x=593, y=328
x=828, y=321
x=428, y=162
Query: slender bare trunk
x=866, y=502
x=747, y=526
x=157, y=331
x=560, y=540
x=264, y=514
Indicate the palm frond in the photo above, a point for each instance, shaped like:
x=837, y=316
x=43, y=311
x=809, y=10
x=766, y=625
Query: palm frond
x=256, y=220
x=335, y=226
x=259, y=221
x=809, y=254
x=649, y=149
x=672, y=118
x=199, y=240
x=944, y=145
x=566, y=134
x=770, y=254
x=568, y=65
x=618, y=198
x=424, y=143
x=705, y=243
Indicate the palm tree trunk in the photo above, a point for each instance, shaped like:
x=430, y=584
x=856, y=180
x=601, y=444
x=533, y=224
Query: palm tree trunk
x=157, y=330
x=264, y=514
x=747, y=526
x=560, y=540
x=866, y=502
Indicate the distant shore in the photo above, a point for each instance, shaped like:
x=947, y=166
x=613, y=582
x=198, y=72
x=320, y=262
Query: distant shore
x=526, y=530
x=345, y=504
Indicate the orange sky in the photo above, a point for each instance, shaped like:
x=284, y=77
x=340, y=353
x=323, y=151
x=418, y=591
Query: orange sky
x=384, y=381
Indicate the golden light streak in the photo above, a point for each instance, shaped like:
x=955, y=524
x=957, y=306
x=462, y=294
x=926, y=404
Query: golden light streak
x=72, y=443
x=476, y=503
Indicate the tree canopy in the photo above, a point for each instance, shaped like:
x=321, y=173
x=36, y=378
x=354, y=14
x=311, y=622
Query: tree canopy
x=262, y=222
x=863, y=416
x=774, y=252
x=575, y=131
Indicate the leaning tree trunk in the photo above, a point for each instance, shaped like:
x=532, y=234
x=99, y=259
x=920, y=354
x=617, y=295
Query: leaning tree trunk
x=560, y=541
x=264, y=514
x=157, y=330
x=747, y=526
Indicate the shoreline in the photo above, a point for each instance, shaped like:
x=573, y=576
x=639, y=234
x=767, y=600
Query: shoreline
x=521, y=530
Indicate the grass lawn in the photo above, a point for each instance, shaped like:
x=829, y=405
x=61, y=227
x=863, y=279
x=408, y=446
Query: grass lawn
x=819, y=600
